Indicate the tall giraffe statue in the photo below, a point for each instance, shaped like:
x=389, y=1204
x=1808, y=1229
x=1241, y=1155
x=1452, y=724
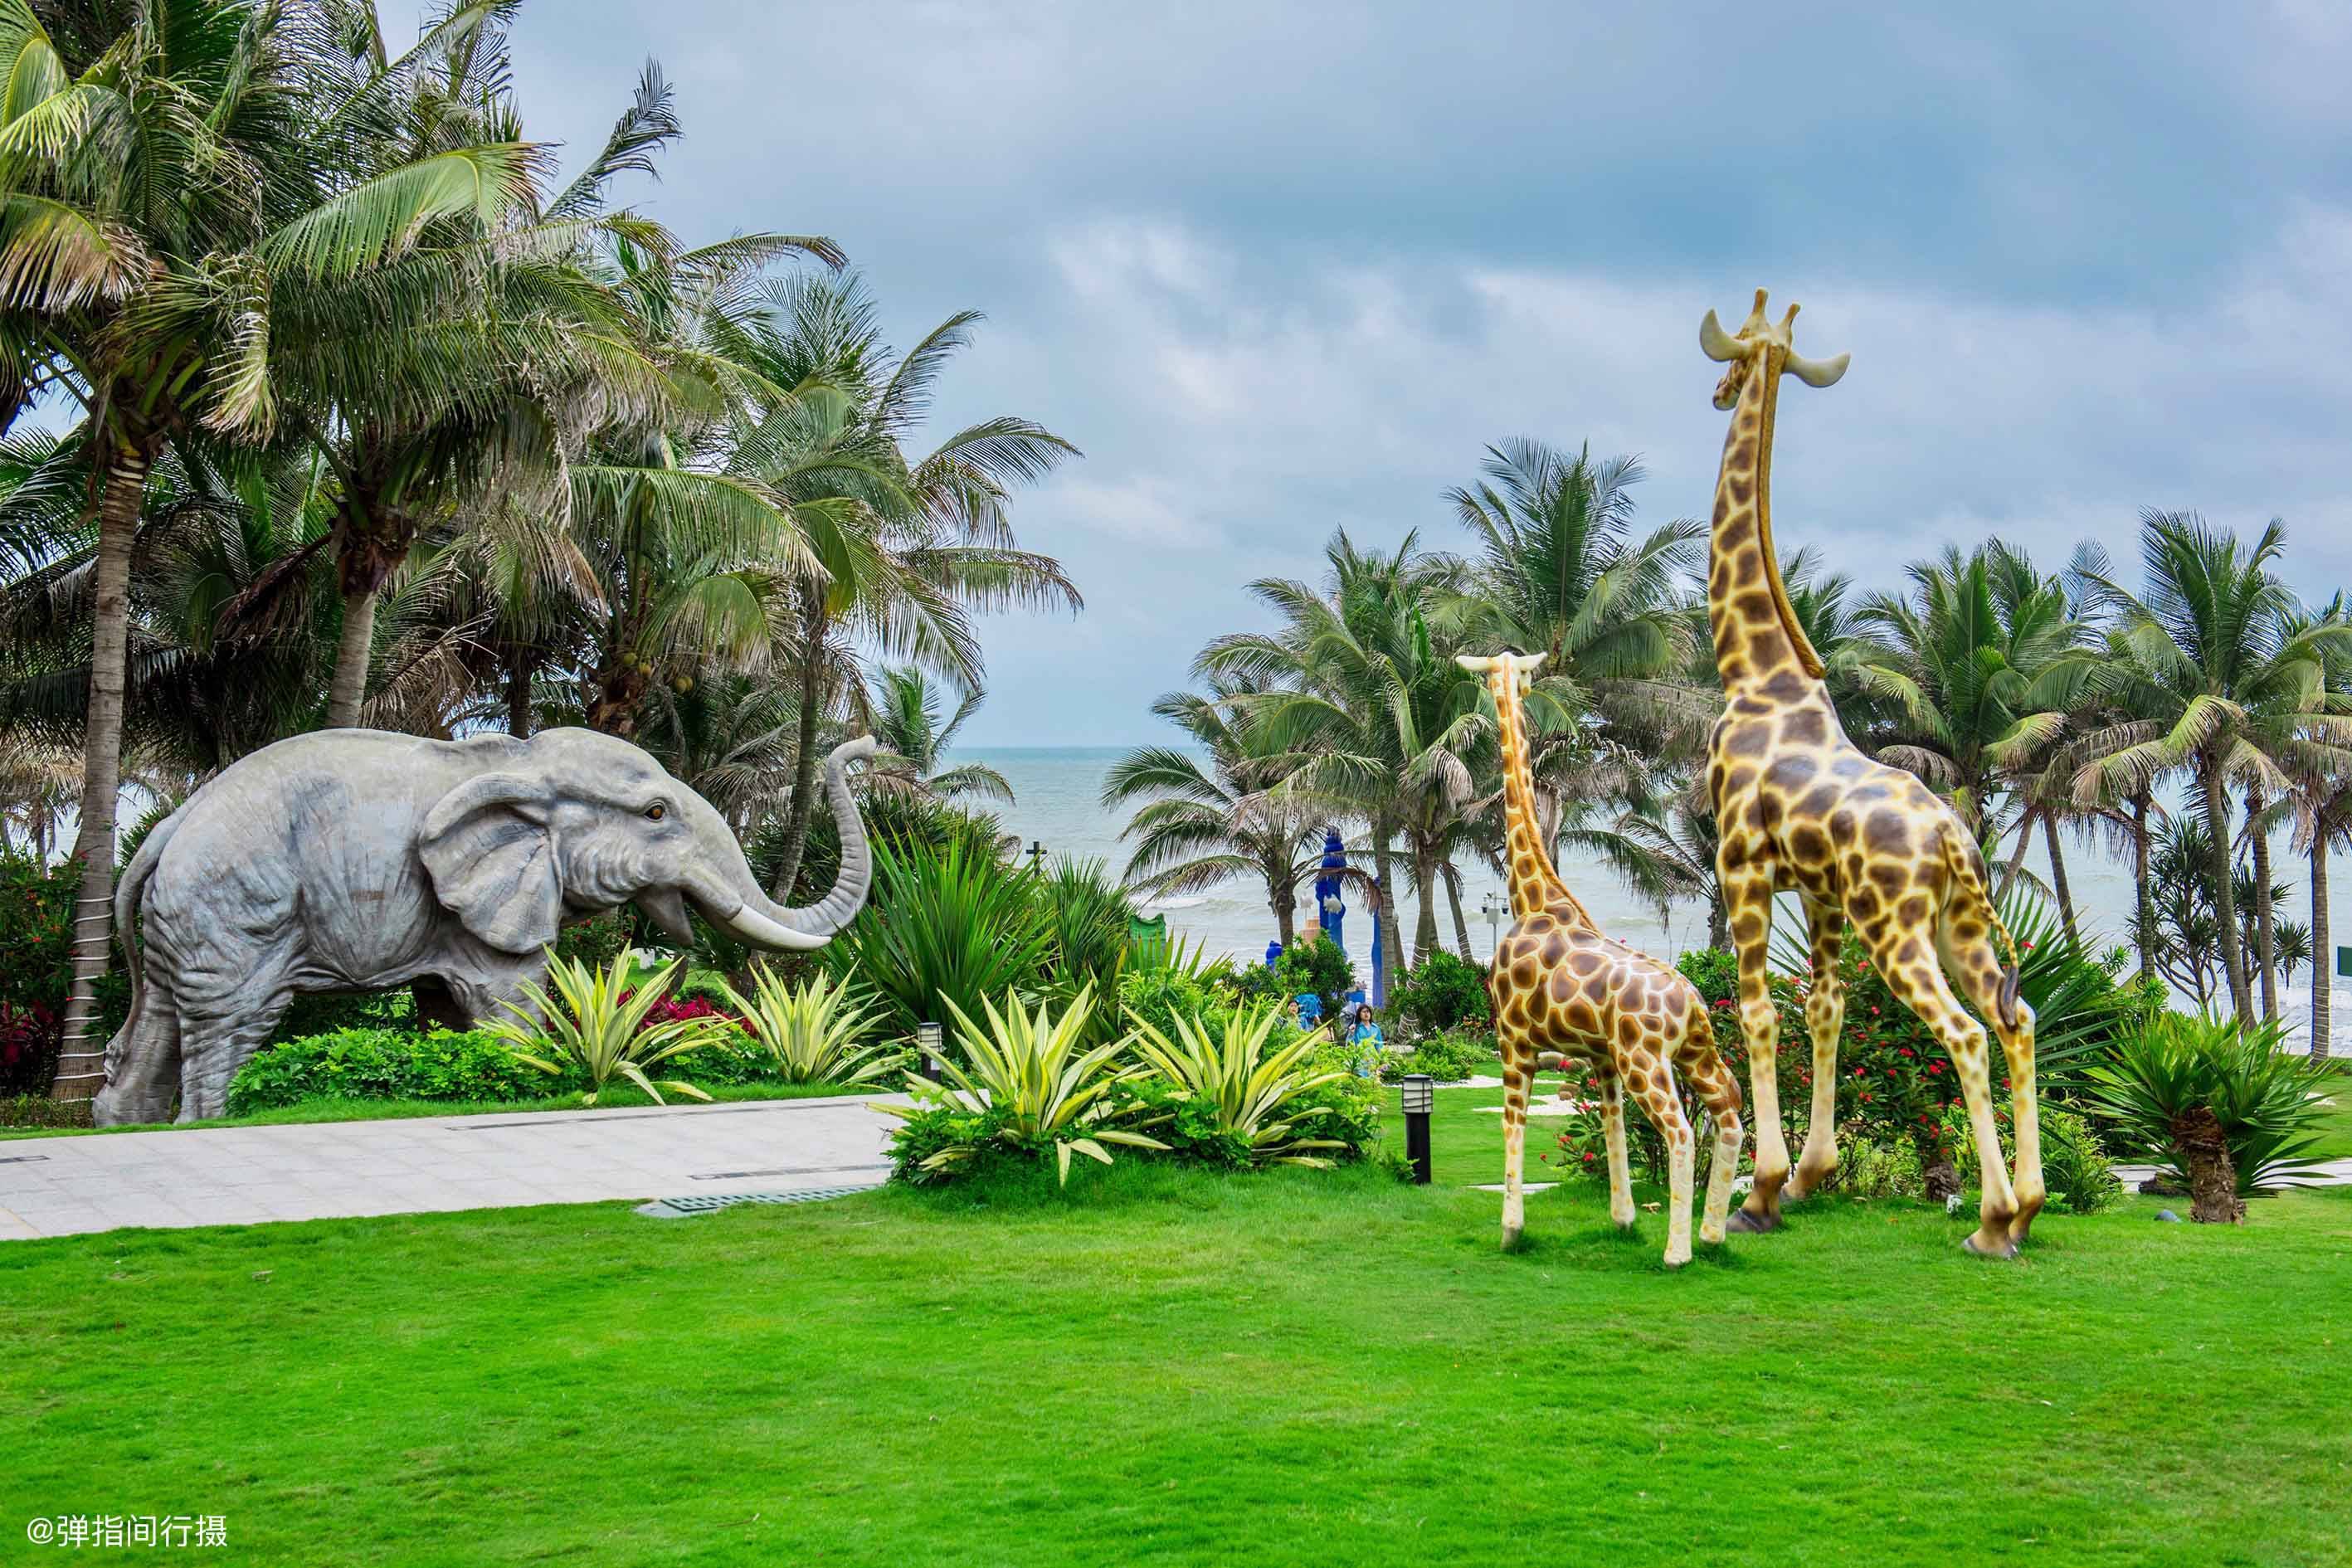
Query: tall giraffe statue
x=1558, y=984
x=1799, y=807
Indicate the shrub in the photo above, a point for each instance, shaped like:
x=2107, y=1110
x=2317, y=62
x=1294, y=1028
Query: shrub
x=381, y=1063
x=1439, y=993
x=1447, y=1058
x=40, y=1110
x=1029, y=1088
x=593, y=1027
x=2219, y=1103
x=1160, y=995
x=330, y=1012
x=2080, y=1176
x=944, y=932
x=1238, y=1089
x=1876, y=1170
x=1321, y=967
x=811, y=1034
x=37, y=910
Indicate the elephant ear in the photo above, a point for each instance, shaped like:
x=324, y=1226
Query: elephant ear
x=491, y=856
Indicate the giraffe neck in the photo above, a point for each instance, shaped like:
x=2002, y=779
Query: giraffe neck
x=1534, y=884
x=1756, y=632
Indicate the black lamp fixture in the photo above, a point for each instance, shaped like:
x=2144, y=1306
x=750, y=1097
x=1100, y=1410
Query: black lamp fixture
x=1418, y=1093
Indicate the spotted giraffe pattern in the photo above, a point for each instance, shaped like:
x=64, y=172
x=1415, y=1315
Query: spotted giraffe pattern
x=1561, y=990
x=1800, y=809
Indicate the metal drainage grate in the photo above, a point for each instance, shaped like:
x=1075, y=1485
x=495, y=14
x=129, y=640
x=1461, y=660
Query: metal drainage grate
x=25, y=1160
x=679, y=1208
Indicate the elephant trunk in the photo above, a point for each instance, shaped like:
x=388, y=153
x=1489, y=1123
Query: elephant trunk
x=733, y=902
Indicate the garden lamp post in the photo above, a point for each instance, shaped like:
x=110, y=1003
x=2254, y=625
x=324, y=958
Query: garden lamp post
x=1418, y=1094
x=1494, y=908
x=929, y=1038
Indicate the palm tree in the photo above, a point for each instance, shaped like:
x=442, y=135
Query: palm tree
x=904, y=711
x=162, y=194
x=1981, y=658
x=1200, y=825
x=1663, y=850
x=2226, y=681
x=911, y=547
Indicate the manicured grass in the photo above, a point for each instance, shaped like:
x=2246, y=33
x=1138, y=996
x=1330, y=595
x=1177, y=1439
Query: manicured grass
x=1173, y=1367
x=615, y=1097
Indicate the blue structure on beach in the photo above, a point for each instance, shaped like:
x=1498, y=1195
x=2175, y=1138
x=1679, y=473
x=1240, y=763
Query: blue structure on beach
x=1331, y=913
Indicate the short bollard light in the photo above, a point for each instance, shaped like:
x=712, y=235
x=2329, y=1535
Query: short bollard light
x=928, y=1039
x=1419, y=1093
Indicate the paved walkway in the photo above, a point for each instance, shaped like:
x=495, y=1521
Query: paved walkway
x=244, y=1175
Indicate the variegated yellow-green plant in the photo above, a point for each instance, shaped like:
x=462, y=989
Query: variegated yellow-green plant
x=812, y=1030
x=1250, y=1087
x=1028, y=1069
x=593, y=1022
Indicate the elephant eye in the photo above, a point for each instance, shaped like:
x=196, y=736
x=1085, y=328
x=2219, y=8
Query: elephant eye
x=655, y=811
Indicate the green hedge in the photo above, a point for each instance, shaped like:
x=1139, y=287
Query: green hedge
x=386, y=1064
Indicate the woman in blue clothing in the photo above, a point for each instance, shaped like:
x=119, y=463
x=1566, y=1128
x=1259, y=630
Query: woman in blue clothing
x=1366, y=1040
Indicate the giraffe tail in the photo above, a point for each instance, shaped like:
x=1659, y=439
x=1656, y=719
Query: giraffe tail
x=1968, y=871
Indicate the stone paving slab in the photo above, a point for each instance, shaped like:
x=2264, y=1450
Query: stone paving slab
x=252, y=1175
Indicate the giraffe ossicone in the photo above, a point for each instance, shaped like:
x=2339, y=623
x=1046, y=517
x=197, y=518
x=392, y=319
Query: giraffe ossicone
x=1560, y=988
x=1800, y=808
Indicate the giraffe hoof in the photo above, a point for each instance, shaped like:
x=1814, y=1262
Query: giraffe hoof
x=1674, y=1262
x=2001, y=1246
x=1747, y=1224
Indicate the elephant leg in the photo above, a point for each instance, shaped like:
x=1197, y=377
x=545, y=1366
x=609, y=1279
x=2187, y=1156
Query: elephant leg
x=214, y=1044
x=482, y=994
x=438, y=1005
x=142, y=1066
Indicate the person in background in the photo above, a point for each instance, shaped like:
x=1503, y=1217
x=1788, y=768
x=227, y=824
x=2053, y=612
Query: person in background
x=1366, y=1041
x=1310, y=1009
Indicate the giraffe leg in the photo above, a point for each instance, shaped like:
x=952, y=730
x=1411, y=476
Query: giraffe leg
x=1915, y=977
x=1654, y=1087
x=1824, y=1017
x=1748, y=900
x=1518, y=1075
x=1612, y=1127
x=1971, y=959
x=1694, y=1057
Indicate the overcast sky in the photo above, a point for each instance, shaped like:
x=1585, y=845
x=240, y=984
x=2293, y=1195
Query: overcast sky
x=1280, y=268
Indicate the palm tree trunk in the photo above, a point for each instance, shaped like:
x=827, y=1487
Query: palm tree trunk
x=1424, y=889
x=2322, y=960
x=2265, y=917
x=2225, y=897
x=1282, y=898
x=1718, y=925
x=804, y=800
x=82, y=1058
x=1454, y=897
x=518, y=679
x=2058, y=878
x=352, y=652
x=2017, y=856
x=2144, y=914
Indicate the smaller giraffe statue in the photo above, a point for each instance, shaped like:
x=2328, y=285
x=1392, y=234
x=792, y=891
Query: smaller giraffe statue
x=1560, y=989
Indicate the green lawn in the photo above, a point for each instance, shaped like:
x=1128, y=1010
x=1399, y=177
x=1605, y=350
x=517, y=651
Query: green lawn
x=616, y=1097
x=1171, y=1367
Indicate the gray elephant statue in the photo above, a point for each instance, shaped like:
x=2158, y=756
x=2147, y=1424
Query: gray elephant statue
x=358, y=860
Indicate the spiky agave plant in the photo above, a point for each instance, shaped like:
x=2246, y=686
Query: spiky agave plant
x=1251, y=1093
x=1028, y=1078
x=595, y=1022
x=813, y=1031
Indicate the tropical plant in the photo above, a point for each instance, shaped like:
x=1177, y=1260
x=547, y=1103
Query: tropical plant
x=1089, y=918
x=1439, y=994
x=2224, y=681
x=813, y=1030
x=943, y=931
x=1244, y=1088
x=1200, y=825
x=903, y=710
x=1026, y=1084
x=593, y=1025
x=2214, y=1099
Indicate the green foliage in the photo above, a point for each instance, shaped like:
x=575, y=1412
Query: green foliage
x=2270, y=1105
x=1447, y=1058
x=811, y=1034
x=328, y=1013
x=1441, y=993
x=1876, y=1170
x=1321, y=967
x=36, y=905
x=1086, y=917
x=40, y=1110
x=1032, y=1086
x=944, y=931
x=1160, y=995
x=1244, y=1088
x=383, y=1064
x=2080, y=1176
x=593, y=1027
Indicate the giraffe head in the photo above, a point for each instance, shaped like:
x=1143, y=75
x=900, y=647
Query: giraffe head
x=1765, y=342
x=1508, y=674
